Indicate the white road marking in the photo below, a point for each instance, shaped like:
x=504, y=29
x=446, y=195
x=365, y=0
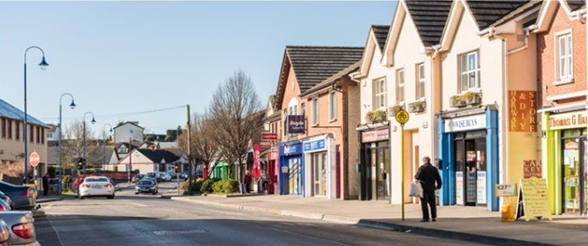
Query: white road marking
x=139, y=204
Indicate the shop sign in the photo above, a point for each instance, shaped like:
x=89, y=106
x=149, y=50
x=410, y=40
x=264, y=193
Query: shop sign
x=269, y=136
x=273, y=155
x=459, y=188
x=568, y=120
x=533, y=199
x=506, y=190
x=522, y=111
x=315, y=145
x=375, y=136
x=532, y=168
x=465, y=123
x=291, y=149
x=296, y=124
x=481, y=186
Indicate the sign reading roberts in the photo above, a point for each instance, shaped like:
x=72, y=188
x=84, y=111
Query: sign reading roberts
x=533, y=201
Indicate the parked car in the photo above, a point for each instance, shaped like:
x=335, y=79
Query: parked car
x=184, y=176
x=22, y=196
x=7, y=199
x=22, y=227
x=160, y=176
x=4, y=234
x=146, y=186
x=137, y=177
x=4, y=206
x=96, y=186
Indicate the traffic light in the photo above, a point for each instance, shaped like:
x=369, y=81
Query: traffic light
x=81, y=163
x=177, y=168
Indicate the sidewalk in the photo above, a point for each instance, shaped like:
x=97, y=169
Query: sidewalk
x=466, y=223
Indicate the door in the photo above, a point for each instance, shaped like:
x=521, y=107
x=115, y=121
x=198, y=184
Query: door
x=319, y=170
x=294, y=179
x=571, y=176
x=383, y=172
x=471, y=173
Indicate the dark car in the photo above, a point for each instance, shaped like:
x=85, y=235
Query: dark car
x=6, y=198
x=23, y=197
x=146, y=186
x=138, y=177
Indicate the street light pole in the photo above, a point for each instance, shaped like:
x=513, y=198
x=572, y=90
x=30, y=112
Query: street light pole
x=84, y=140
x=72, y=105
x=191, y=169
x=104, y=145
x=43, y=65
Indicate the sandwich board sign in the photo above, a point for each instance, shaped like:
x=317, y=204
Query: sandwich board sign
x=533, y=201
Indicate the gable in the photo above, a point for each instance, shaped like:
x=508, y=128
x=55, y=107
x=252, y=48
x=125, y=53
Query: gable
x=371, y=51
x=549, y=10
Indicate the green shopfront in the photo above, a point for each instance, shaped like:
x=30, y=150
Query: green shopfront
x=565, y=161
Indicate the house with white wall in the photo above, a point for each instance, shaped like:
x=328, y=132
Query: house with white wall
x=128, y=131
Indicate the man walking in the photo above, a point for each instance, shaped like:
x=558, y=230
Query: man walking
x=45, y=184
x=430, y=179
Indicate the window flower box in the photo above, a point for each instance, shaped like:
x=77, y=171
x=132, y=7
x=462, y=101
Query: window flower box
x=376, y=116
x=394, y=109
x=466, y=99
x=417, y=107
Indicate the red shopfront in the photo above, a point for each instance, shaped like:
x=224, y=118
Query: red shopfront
x=272, y=170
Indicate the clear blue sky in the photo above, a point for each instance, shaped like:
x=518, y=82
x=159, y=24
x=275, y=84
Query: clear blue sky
x=119, y=57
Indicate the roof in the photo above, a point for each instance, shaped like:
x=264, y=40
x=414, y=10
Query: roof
x=156, y=155
x=331, y=80
x=430, y=18
x=576, y=4
x=313, y=64
x=128, y=122
x=381, y=33
x=487, y=12
x=12, y=112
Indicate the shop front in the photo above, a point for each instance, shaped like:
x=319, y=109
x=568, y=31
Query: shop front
x=291, y=178
x=320, y=155
x=272, y=170
x=374, y=167
x=469, y=154
x=564, y=142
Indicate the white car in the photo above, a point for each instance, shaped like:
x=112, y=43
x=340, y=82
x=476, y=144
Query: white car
x=96, y=186
x=160, y=176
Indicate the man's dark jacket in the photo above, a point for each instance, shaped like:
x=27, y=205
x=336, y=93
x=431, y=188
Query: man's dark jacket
x=428, y=175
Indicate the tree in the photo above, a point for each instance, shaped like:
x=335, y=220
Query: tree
x=203, y=144
x=237, y=118
x=73, y=145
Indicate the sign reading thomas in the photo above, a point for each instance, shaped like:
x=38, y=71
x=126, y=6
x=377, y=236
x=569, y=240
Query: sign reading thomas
x=295, y=124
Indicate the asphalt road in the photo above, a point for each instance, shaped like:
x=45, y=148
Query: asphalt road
x=145, y=220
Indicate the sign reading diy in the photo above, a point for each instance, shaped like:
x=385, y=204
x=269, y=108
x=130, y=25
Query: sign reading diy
x=522, y=111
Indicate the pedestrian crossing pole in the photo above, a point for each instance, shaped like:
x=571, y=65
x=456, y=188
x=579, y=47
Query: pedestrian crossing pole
x=402, y=117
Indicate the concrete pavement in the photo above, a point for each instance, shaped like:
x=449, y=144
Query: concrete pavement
x=148, y=220
x=467, y=223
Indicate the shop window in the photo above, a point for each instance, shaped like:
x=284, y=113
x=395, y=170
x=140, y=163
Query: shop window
x=400, y=87
x=333, y=106
x=564, y=63
x=420, y=81
x=470, y=71
x=379, y=94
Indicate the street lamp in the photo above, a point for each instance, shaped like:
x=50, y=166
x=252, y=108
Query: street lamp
x=84, y=123
x=104, y=144
x=43, y=65
x=72, y=105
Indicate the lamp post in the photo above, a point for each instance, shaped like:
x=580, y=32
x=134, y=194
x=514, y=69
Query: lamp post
x=104, y=145
x=84, y=124
x=72, y=105
x=43, y=65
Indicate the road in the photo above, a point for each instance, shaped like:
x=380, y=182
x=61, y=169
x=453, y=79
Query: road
x=145, y=220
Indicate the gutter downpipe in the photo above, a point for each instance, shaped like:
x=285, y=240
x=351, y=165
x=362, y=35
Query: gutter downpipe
x=436, y=49
x=505, y=111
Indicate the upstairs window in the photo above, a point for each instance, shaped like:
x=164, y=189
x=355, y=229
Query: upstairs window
x=420, y=81
x=9, y=129
x=333, y=106
x=379, y=95
x=17, y=131
x=400, y=87
x=3, y=128
x=564, y=57
x=470, y=71
x=315, y=111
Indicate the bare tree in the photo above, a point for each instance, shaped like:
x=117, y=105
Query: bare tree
x=203, y=146
x=73, y=145
x=237, y=118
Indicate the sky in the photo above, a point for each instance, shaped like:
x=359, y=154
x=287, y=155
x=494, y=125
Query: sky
x=123, y=59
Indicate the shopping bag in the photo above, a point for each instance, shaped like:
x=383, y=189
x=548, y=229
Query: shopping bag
x=416, y=189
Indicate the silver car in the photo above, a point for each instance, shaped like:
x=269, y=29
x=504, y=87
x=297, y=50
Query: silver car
x=4, y=234
x=22, y=228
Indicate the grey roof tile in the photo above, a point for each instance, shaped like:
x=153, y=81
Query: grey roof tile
x=486, y=12
x=381, y=33
x=576, y=4
x=12, y=112
x=429, y=18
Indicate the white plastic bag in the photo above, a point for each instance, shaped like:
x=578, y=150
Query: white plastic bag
x=416, y=189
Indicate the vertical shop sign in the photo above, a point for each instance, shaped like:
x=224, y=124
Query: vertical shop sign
x=481, y=185
x=459, y=188
x=522, y=111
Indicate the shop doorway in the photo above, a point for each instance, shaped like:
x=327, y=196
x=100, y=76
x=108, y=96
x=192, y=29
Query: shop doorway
x=319, y=173
x=379, y=156
x=573, y=168
x=470, y=168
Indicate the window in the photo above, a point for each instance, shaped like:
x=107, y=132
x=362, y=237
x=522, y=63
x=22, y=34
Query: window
x=379, y=98
x=315, y=111
x=420, y=79
x=3, y=128
x=470, y=71
x=564, y=57
x=43, y=135
x=302, y=109
x=333, y=105
x=9, y=128
x=32, y=133
x=131, y=131
x=38, y=134
x=400, y=87
x=17, y=132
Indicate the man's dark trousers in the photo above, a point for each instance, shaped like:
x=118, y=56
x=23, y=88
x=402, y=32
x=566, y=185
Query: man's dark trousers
x=428, y=199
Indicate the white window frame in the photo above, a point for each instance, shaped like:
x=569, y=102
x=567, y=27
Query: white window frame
x=332, y=106
x=467, y=70
x=420, y=81
x=400, y=86
x=564, y=73
x=315, y=112
x=380, y=98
